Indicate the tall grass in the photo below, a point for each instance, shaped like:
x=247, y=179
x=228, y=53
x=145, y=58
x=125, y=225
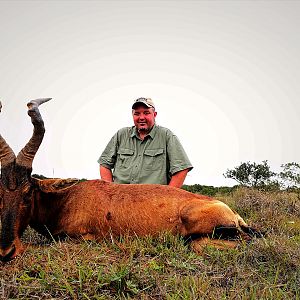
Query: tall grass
x=164, y=267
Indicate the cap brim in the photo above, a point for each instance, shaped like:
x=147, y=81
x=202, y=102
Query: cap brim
x=141, y=102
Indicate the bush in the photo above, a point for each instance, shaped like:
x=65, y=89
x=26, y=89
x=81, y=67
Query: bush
x=208, y=190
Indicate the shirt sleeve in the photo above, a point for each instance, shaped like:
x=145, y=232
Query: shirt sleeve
x=178, y=159
x=109, y=155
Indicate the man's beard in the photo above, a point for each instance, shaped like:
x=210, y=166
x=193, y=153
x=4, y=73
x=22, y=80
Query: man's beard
x=144, y=130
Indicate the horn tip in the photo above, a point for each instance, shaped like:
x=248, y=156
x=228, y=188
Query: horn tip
x=37, y=102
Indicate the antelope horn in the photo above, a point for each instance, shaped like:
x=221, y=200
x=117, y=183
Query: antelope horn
x=36, y=103
x=6, y=154
x=26, y=155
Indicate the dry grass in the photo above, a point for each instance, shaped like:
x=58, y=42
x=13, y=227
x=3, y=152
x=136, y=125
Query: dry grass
x=164, y=267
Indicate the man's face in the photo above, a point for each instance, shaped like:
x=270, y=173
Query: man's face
x=144, y=118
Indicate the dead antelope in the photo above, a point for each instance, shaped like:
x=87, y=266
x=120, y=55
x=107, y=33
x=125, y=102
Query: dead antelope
x=95, y=209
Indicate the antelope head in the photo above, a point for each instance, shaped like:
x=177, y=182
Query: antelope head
x=16, y=186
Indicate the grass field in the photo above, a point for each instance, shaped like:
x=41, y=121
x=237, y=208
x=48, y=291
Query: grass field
x=164, y=267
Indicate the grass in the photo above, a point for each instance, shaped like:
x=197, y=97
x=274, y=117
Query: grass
x=164, y=267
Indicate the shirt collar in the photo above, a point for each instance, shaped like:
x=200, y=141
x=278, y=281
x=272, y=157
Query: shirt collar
x=151, y=133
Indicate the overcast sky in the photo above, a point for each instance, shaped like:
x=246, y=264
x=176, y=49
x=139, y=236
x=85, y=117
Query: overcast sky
x=224, y=76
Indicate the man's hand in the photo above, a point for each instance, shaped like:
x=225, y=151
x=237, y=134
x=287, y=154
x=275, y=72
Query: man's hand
x=106, y=174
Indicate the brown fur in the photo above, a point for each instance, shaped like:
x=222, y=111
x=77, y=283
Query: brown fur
x=99, y=208
x=95, y=209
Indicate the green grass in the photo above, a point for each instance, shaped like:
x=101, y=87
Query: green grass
x=164, y=267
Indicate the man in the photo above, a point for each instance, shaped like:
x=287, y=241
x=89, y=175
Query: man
x=145, y=152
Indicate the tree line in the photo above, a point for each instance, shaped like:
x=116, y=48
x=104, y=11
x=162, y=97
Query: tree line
x=255, y=175
x=260, y=175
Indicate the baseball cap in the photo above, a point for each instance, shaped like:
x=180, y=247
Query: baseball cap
x=146, y=101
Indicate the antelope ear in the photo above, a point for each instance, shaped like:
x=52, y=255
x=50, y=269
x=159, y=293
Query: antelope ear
x=54, y=185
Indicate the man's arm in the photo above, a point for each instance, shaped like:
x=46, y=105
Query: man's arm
x=106, y=174
x=108, y=158
x=179, y=162
x=178, y=178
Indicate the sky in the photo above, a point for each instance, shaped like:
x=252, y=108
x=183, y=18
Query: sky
x=224, y=76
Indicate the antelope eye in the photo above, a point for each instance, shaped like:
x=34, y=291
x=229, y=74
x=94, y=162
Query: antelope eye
x=27, y=197
x=27, y=193
x=1, y=199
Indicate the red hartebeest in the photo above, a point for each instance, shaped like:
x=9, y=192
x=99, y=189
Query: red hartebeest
x=94, y=209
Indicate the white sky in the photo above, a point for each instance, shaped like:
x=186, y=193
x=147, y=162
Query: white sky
x=224, y=76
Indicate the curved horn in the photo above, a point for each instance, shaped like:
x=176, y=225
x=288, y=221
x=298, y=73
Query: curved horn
x=26, y=155
x=6, y=154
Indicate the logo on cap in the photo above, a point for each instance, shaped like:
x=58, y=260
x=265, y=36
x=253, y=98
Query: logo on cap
x=146, y=101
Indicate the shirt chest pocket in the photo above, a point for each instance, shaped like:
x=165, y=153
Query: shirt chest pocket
x=153, y=159
x=124, y=158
